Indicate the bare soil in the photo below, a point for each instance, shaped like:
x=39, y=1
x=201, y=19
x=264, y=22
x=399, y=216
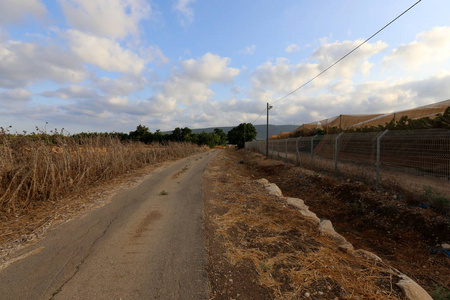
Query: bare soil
x=261, y=248
x=390, y=223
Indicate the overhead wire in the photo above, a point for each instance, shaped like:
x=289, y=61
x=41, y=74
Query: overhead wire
x=343, y=57
x=264, y=110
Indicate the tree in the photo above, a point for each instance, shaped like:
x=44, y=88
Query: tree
x=158, y=136
x=177, y=135
x=222, y=136
x=142, y=134
x=236, y=135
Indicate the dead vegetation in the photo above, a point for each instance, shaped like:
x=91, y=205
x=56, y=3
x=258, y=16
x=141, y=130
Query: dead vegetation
x=394, y=223
x=259, y=245
x=36, y=170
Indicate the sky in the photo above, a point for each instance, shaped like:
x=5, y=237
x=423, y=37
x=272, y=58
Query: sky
x=110, y=65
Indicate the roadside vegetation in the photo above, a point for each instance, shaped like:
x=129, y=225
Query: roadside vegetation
x=42, y=167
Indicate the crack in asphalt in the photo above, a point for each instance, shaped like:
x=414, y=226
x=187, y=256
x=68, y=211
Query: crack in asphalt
x=77, y=268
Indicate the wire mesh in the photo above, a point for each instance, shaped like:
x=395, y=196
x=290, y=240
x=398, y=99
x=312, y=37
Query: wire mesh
x=423, y=152
x=418, y=152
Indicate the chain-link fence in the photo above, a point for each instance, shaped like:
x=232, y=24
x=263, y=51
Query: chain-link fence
x=424, y=153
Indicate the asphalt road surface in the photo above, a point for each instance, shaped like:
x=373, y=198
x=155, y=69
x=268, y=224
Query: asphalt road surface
x=141, y=245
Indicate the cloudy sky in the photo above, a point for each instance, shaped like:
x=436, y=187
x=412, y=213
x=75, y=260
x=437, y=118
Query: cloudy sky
x=109, y=65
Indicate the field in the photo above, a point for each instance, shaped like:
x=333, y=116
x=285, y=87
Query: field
x=47, y=169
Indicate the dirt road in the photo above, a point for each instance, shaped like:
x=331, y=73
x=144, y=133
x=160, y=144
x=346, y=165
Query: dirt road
x=147, y=243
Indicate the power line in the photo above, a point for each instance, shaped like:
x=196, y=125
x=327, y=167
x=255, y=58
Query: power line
x=264, y=110
x=343, y=57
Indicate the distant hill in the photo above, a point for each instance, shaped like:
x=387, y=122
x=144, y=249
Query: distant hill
x=260, y=129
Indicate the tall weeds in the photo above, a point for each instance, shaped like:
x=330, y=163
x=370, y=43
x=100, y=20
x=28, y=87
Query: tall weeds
x=48, y=167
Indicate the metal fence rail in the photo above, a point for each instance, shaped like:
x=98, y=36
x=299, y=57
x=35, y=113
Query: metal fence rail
x=419, y=152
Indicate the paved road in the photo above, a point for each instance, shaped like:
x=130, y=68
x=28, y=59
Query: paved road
x=142, y=245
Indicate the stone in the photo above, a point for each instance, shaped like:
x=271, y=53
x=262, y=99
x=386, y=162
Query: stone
x=310, y=216
x=412, y=290
x=326, y=228
x=299, y=203
x=445, y=246
x=262, y=181
x=274, y=190
x=346, y=247
x=367, y=254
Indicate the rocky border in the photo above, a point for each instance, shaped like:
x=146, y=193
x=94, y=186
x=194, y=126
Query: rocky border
x=412, y=290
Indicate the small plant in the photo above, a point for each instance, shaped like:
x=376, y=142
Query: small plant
x=437, y=200
x=440, y=293
x=164, y=193
x=265, y=267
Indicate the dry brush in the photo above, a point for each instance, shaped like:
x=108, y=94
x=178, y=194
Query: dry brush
x=48, y=168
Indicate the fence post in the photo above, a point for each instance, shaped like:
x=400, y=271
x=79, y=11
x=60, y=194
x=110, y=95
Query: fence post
x=312, y=151
x=336, y=152
x=285, y=156
x=296, y=149
x=378, y=157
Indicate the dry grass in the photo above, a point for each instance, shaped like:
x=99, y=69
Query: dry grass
x=288, y=253
x=34, y=170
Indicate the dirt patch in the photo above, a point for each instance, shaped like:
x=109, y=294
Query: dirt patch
x=261, y=248
x=390, y=224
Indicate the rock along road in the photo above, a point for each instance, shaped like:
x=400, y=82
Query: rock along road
x=144, y=244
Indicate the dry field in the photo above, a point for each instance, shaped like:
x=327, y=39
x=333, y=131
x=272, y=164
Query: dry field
x=32, y=171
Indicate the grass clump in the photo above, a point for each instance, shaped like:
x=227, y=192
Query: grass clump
x=440, y=293
x=437, y=200
x=164, y=193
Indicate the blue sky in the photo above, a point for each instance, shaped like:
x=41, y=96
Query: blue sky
x=109, y=65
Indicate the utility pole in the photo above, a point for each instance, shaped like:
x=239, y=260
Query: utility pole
x=244, y=135
x=267, y=130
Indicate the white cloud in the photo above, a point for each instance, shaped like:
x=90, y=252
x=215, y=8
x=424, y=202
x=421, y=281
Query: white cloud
x=191, y=82
x=24, y=63
x=186, y=12
x=209, y=68
x=329, y=53
x=281, y=76
x=248, y=50
x=430, y=48
x=121, y=86
x=105, y=53
x=20, y=95
x=13, y=11
x=110, y=18
x=293, y=48
x=15, y=99
x=71, y=92
x=153, y=54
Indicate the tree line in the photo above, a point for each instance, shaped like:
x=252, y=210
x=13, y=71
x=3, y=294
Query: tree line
x=237, y=135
